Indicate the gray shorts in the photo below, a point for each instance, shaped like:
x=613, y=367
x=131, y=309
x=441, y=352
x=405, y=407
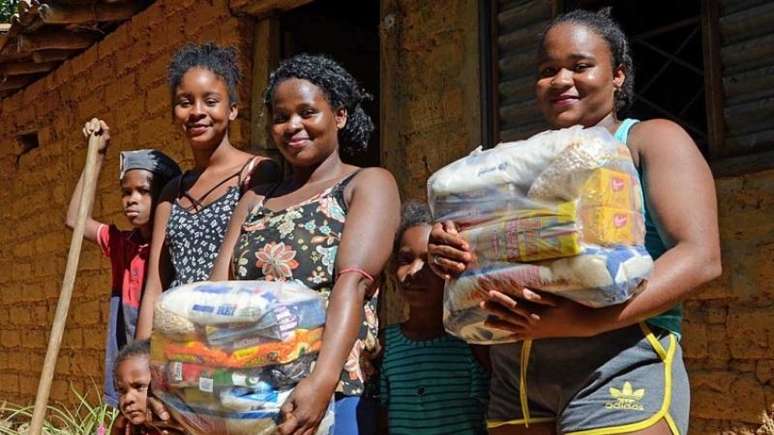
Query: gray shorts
x=621, y=381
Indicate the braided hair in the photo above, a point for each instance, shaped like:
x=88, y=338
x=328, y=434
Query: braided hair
x=603, y=24
x=339, y=88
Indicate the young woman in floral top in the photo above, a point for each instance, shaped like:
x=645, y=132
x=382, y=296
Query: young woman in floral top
x=329, y=225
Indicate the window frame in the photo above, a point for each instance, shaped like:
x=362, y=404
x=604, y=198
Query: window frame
x=723, y=160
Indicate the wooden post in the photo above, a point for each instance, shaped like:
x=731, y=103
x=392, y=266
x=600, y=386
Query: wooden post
x=713, y=79
x=42, y=56
x=63, y=306
x=23, y=68
x=266, y=53
x=60, y=13
x=13, y=82
x=61, y=39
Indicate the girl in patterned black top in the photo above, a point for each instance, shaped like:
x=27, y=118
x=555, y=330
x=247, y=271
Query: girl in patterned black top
x=194, y=209
x=329, y=225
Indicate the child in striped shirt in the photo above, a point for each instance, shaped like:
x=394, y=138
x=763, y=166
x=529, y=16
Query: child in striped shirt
x=431, y=383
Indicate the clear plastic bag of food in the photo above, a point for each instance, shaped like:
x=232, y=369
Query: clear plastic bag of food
x=560, y=212
x=234, y=411
x=226, y=355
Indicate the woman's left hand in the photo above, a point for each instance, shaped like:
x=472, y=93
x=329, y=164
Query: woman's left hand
x=303, y=411
x=563, y=318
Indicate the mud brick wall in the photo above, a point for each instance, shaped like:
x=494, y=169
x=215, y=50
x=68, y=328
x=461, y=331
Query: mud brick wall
x=121, y=79
x=430, y=87
x=430, y=96
x=729, y=325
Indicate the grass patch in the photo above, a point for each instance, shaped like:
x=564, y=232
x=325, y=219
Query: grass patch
x=85, y=419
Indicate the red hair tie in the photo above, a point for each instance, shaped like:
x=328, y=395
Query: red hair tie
x=362, y=272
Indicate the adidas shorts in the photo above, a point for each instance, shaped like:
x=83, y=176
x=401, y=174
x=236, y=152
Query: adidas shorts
x=621, y=381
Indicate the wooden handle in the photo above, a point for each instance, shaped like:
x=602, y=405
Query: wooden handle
x=63, y=306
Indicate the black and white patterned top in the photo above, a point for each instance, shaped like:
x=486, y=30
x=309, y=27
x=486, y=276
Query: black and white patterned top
x=193, y=238
x=194, y=234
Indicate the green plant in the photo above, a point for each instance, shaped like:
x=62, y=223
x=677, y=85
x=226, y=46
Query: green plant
x=85, y=419
x=7, y=8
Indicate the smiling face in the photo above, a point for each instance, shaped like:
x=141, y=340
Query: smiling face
x=133, y=377
x=304, y=126
x=202, y=108
x=416, y=281
x=576, y=79
x=137, y=196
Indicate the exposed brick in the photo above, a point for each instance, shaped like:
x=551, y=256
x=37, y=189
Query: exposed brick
x=92, y=105
x=150, y=131
x=152, y=72
x=20, y=315
x=84, y=61
x=86, y=313
x=695, y=342
x=753, y=332
x=764, y=371
x=9, y=383
x=10, y=338
x=94, y=336
x=35, y=339
x=131, y=57
x=60, y=389
x=103, y=71
x=157, y=100
x=116, y=40
x=766, y=270
x=73, y=337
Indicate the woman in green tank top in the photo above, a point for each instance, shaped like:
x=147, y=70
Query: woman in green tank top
x=625, y=374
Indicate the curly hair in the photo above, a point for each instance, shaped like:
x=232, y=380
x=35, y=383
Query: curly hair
x=222, y=61
x=603, y=24
x=413, y=213
x=137, y=348
x=340, y=89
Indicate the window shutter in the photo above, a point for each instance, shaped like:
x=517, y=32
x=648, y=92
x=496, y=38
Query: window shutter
x=747, y=58
x=518, y=24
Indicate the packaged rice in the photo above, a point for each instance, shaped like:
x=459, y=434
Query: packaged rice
x=225, y=356
x=560, y=212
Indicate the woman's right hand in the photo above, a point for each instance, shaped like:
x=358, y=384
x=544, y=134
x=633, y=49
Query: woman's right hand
x=100, y=128
x=448, y=253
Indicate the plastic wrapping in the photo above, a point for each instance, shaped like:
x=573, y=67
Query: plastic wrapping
x=226, y=355
x=560, y=212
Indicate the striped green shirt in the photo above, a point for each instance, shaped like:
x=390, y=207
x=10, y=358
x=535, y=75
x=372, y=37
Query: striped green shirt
x=432, y=387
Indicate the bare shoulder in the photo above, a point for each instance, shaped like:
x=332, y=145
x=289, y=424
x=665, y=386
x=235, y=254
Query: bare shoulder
x=659, y=135
x=368, y=177
x=372, y=182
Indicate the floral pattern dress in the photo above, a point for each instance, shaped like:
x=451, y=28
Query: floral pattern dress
x=300, y=243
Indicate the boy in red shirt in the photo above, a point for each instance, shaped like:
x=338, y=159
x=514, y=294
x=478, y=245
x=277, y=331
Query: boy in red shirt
x=143, y=174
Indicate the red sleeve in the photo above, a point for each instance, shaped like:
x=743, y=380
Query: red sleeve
x=103, y=239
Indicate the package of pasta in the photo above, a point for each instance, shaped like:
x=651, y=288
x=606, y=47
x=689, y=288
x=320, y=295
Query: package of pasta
x=226, y=355
x=561, y=212
x=258, y=303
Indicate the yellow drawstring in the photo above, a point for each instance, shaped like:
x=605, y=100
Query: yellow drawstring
x=525, y=349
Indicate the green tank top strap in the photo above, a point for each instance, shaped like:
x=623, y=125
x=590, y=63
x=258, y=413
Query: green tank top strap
x=622, y=134
x=671, y=319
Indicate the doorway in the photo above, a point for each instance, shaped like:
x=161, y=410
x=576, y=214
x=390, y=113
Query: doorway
x=348, y=32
